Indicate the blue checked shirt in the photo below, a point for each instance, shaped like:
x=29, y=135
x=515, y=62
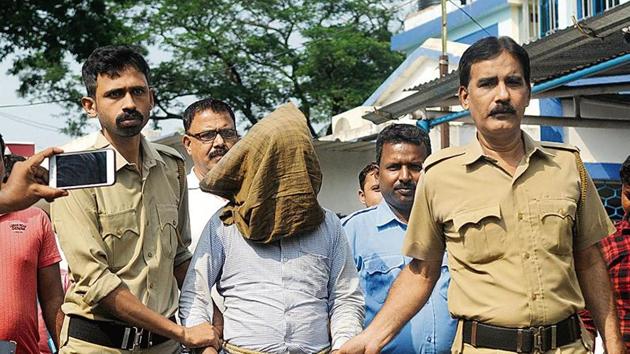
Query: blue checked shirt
x=376, y=235
x=297, y=295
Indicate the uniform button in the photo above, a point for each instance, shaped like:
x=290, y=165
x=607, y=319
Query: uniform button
x=151, y=286
x=526, y=255
x=285, y=259
x=520, y=216
x=534, y=296
x=150, y=254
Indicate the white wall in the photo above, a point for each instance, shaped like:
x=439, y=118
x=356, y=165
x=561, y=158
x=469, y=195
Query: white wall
x=598, y=144
x=340, y=185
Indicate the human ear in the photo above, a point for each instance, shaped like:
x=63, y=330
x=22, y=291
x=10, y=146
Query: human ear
x=89, y=106
x=463, y=96
x=186, y=142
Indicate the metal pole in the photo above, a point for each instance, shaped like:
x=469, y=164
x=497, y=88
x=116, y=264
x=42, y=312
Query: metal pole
x=445, y=136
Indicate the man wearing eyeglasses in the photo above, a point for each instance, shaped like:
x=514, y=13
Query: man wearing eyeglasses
x=210, y=133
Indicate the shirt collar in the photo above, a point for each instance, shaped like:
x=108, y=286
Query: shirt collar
x=474, y=151
x=535, y=147
x=193, y=181
x=149, y=153
x=385, y=215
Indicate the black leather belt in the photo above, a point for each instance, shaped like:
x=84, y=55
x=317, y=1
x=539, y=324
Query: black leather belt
x=522, y=340
x=112, y=335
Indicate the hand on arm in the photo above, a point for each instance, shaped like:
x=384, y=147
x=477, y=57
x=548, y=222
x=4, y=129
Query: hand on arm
x=125, y=306
x=408, y=294
x=595, y=284
x=50, y=295
x=28, y=183
x=195, y=303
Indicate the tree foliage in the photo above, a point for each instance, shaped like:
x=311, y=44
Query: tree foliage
x=326, y=55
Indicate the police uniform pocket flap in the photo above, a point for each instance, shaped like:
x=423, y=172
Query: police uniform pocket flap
x=116, y=224
x=383, y=264
x=558, y=207
x=475, y=216
x=167, y=214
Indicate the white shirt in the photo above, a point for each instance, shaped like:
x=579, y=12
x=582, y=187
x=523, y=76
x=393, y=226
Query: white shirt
x=300, y=294
x=201, y=206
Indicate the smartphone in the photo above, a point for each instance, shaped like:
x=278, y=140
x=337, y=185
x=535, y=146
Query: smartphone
x=82, y=169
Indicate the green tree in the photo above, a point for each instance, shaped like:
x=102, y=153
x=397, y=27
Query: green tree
x=326, y=55
x=47, y=37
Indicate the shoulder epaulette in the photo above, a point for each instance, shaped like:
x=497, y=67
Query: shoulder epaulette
x=443, y=155
x=559, y=146
x=168, y=151
x=345, y=220
x=83, y=143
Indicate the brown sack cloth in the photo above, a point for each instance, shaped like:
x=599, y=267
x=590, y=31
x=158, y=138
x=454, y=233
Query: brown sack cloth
x=271, y=179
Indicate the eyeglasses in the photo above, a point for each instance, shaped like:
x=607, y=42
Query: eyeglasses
x=208, y=136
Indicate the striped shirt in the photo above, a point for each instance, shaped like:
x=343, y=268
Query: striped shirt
x=290, y=296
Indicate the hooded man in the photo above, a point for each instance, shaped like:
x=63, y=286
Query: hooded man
x=281, y=262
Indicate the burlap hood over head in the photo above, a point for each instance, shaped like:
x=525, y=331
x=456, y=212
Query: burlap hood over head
x=271, y=179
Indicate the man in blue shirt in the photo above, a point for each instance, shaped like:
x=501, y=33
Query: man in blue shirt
x=376, y=235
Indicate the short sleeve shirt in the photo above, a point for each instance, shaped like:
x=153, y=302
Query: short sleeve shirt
x=376, y=235
x=133, y=233
x=510, y=239
x=28, y=244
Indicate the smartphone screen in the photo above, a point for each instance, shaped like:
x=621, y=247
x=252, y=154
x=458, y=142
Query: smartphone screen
x=81, y=169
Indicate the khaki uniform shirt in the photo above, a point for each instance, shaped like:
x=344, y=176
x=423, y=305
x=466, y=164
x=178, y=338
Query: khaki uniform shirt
x=131, y=234
x=509, y=238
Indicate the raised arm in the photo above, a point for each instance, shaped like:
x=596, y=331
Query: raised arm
x=28, y=184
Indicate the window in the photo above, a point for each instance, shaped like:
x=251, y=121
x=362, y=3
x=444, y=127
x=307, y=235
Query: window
x=610, y=193
x=587, y=8
x=548, y=16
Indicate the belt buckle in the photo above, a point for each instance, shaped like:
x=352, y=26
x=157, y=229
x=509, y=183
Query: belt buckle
x=537, y=333
x=135, y=340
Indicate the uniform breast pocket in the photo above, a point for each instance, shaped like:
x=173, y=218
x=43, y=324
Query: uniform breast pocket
x=380, y=273
x=557, y=217
x=482, y=234
x=120, y=234
x=167, y=217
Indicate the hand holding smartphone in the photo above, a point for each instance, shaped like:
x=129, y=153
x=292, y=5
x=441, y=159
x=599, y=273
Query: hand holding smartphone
x=83, y=169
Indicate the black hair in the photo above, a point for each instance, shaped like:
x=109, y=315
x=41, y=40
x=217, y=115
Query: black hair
x=488, y=48
x=402, y=133
x=369, y=168
x=9, y=162
x=111, y=60
x=216, y=106
x=624, y=172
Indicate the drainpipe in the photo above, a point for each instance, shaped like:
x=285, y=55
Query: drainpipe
x=445, y=136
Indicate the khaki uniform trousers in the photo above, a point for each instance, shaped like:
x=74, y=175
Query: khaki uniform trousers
x=71, y=345
x=581, y=346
